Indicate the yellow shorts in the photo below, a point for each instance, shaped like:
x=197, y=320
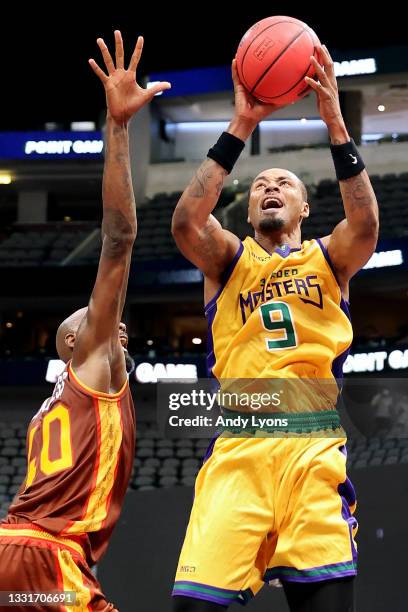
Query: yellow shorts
x=266, y=509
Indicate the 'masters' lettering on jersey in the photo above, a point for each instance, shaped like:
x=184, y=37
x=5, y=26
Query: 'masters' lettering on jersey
x=278, y=314
x=280, y=284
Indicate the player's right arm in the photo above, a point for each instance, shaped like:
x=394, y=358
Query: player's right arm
x=198, y=234
x=98, y=356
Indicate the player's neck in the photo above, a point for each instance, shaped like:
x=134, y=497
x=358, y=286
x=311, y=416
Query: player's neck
x=270, y=242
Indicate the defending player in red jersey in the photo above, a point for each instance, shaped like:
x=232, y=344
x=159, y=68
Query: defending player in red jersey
x=80, y=445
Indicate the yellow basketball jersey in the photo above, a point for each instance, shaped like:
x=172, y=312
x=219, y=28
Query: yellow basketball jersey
x=278, y=315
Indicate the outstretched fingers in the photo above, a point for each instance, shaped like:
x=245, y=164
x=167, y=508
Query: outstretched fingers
x=157, y=88
x=137, y=53
x=107, y=58
x=98, y=71
x=119, y=52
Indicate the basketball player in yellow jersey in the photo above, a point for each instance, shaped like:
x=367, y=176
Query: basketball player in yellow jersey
x=278, y=507
x=80, y=444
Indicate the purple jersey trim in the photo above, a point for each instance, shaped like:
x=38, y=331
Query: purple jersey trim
x=211, y=310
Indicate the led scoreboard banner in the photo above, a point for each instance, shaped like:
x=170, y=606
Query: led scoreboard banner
x=51, y=145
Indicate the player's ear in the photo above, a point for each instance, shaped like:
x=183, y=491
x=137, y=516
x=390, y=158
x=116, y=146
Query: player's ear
x=305, y=210
x=70, y=339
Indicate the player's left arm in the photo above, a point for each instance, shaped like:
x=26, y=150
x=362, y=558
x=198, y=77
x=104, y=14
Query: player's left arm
x=98, y=354
x=354, y=239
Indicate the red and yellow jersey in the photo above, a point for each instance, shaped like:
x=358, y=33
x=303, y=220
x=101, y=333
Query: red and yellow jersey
x=278, y=315
x=80, y=449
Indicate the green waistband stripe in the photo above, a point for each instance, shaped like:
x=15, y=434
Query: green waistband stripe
x=280, y=422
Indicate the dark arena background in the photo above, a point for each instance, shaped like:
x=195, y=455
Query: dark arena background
x=52, y=124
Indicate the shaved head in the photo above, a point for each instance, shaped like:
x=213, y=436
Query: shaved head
x=66, y=334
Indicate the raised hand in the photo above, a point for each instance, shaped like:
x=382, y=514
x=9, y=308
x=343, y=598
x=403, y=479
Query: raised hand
x=326, y=89
x=247, y=107
x=124, y=97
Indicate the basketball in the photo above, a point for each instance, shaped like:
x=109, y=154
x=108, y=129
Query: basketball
x=273, y=59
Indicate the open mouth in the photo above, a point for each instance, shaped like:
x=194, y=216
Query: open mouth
x=123, y=340
x=271, y=202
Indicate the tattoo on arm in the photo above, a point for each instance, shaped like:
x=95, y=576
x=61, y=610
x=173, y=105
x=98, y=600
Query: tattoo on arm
x=205, y=175
x=219, y=186
x=206, y=242
x=115, y=228
x=119, y=213
x=206, y=246
x=358, y=192
x=196, y=188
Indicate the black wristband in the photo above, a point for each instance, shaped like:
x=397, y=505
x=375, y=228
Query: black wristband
x=347, y=160
x=226, y=151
